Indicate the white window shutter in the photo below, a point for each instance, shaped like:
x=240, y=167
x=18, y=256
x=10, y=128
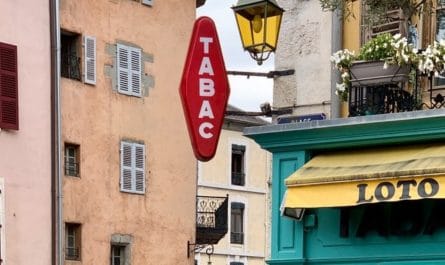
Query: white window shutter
x=132, y=167
x=129, y=70
x=147, y=2
x=139, y=167
x=123, y=69
x=126, y=166
x=136, y=72
x=90, y=60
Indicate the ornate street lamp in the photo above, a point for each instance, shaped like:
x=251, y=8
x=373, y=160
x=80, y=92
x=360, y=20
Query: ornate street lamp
x=258, y=24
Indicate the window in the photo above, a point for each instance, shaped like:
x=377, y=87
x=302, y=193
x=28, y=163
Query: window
x=237, y=223
x=238, y=173
x=120, y=249
x=9, y=114
x=117, y=255
x=70, y=61
x=72, y=242
x=132, y=167
x=129, y=70
x=69, y=55
x=72, y=160
x=440, y=34
x=404, y=219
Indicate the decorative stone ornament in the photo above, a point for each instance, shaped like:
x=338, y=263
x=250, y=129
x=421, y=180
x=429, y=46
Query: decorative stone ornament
x=204, y=89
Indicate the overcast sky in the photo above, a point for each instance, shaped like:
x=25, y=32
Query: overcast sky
x=246, y=93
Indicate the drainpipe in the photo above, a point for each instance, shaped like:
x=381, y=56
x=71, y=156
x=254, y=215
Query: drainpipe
x=56, y=169
x=337, y=39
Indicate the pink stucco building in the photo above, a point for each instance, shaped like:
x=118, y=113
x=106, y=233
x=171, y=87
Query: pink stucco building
x=25, y=132
x=95, y=161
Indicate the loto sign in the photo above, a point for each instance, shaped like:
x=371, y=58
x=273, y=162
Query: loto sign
x=204, y=89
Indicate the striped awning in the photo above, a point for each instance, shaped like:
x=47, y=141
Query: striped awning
x=348, y=178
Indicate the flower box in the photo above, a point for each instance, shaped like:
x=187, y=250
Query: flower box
x=364, y=73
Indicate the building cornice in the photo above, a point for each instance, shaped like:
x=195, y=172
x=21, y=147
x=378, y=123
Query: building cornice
x=397, y=128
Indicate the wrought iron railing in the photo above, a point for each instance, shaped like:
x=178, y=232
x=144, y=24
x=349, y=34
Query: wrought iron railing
x=71, y=168
x=393, y=97
x=211, y=219
x=70, y=66
x=72, y=253
x=236, y=237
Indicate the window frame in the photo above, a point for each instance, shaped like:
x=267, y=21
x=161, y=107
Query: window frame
x=77, y=241
x=122, y=257
x=75, y=157
x=237, y=221
x=238, y=176
x=132, y=168
x=70, y=55
x=124, y=242
x=131, y=67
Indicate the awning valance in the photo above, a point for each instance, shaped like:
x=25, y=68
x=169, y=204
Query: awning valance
x=356, y=177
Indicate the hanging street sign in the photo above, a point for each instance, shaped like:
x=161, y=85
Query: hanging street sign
x=204, y=89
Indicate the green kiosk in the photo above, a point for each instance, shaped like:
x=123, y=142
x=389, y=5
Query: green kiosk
x=364, y=190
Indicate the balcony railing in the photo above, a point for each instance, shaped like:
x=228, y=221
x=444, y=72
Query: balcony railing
x=71, y=168
x=70, y=66
x=72, y=253
x=401, y=95
x=211, y=219
x=236, y=237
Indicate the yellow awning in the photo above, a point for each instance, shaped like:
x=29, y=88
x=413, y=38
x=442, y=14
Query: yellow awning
x=356, y=177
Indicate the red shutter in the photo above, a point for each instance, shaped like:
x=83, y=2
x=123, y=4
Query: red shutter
x=9, y=114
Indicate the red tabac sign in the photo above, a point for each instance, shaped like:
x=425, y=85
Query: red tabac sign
x=204, y=89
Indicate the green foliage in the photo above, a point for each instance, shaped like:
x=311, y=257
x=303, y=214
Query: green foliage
x=376, y=10
x=378, y=48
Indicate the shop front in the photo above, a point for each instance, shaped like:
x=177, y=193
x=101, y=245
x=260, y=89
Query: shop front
x=372, y=189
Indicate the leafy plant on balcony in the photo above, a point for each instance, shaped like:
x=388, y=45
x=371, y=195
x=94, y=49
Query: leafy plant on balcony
x=391, y=49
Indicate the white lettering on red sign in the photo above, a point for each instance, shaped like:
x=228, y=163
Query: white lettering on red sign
x=206, y=90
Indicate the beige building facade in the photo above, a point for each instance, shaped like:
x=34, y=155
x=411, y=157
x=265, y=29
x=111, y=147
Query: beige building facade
x=25, y=133
x=307, y=50
x=129, y=180
x=239, y=170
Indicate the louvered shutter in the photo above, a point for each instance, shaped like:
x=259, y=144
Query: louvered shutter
x=129, y=70
x=135, y=71
x=123, y=69
x=132, y=167
x=9, y=116
x=126, y=166
x=393, y=24
x=90, y=60
x=139, y=168
x=147, y=2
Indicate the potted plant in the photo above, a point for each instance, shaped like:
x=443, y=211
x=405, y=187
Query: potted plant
x=383, y=59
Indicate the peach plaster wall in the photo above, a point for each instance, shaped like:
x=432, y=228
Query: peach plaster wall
x=97, y=118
